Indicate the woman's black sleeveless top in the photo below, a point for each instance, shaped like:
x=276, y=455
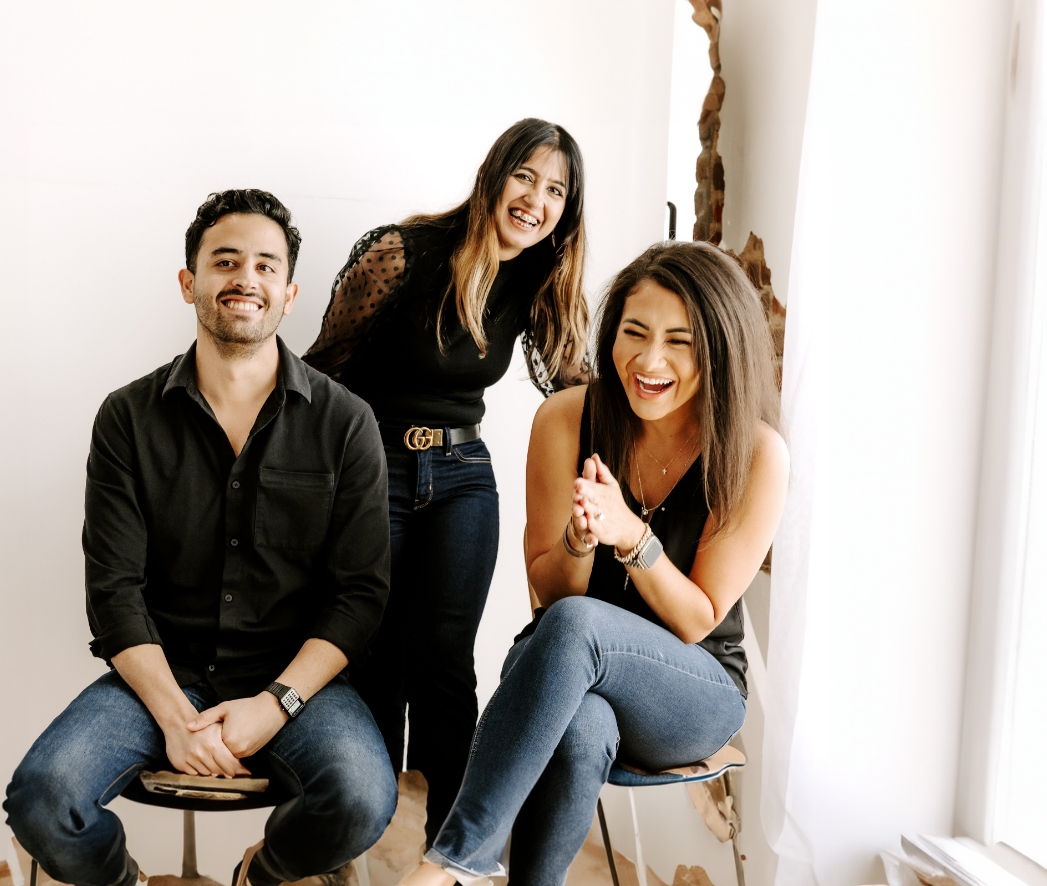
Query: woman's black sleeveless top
x=678, y=522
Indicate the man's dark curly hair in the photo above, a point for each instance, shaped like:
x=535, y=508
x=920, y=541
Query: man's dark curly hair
x=246, y=201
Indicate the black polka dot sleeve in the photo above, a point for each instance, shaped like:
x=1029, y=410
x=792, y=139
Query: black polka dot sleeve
x=377, y=267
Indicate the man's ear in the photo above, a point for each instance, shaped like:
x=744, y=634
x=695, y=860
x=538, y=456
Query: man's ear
x=292, y=294
x=185, y=283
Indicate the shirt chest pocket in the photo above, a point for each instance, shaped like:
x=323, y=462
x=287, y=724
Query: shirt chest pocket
x=293, y=509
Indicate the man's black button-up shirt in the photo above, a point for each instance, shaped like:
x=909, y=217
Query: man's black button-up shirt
x=232, y=563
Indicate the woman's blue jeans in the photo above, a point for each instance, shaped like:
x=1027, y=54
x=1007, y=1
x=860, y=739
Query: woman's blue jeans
x=593, y=683
x=443, y=514
x=329, y=763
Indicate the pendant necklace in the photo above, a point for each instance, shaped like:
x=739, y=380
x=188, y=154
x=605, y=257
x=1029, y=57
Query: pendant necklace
x=665, y=467
x=644, y=510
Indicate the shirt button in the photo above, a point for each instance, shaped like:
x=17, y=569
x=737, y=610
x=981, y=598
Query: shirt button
x=210, y=667
x=236, y=484
x=228, y=598
x=233, y=542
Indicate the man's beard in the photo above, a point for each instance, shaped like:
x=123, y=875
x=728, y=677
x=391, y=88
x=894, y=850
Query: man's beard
x=232, y=338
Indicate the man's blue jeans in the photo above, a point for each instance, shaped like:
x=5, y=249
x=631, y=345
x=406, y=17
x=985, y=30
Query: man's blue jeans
x=593, y=683
x=330, y=763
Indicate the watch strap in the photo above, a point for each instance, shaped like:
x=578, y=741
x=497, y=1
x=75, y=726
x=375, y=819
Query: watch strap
x=289, y=698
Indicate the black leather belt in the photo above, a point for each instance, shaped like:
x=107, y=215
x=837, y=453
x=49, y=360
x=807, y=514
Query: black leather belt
x=418, y=437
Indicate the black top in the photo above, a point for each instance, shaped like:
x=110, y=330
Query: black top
x=678, y=522
x=379, y=335
x=231, y=563
x=401, y=372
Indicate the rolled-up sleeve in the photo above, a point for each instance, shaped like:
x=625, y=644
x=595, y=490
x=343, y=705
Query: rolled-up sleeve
x=114, y=539
x=357, y=564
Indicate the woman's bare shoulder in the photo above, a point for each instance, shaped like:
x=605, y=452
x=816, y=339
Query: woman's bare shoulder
x=769, y=474
x=560, y=413
x=771, y=450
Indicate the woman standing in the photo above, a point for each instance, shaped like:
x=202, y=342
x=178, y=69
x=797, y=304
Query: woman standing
x=423, y=317
x=641, y=559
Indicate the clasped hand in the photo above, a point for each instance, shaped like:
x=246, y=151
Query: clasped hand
x=214, y=741
x=600, y=514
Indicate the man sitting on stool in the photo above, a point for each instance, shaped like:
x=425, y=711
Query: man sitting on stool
x=236, y=536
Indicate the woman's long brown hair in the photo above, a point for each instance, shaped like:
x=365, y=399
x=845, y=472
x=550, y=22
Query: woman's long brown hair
x=732, y=350
x=560, y=313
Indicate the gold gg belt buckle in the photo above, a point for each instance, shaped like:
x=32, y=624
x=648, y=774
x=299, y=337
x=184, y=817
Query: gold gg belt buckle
x=423, y=438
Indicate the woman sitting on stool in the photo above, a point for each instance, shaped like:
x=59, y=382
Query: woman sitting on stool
x=640, y=554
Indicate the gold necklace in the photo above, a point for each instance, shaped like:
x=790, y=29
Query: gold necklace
x=665, y=467
x=644, y=510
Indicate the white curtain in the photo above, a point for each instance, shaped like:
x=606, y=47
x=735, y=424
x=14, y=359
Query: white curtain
x=890, y=293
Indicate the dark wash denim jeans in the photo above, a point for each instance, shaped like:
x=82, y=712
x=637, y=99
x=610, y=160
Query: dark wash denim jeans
x=330, y=762
x=594, y=682
x=443, y=513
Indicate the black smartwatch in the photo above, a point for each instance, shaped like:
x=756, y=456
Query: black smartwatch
x=289, y=700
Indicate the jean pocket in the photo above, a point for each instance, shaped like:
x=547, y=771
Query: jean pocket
x=473, y=452
x=293, y=509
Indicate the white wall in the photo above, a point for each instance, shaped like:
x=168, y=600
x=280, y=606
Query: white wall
x=119, y=118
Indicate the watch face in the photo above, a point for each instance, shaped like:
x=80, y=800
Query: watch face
x=291, y=702
x=650, y=553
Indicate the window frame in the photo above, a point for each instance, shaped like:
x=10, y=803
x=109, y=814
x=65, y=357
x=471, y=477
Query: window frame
x=1018, y=353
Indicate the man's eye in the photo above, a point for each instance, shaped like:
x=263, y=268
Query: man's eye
x=225, y=263
x=267, y=268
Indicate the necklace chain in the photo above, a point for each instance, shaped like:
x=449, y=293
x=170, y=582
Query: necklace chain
x=665, y=467
x=645, y=511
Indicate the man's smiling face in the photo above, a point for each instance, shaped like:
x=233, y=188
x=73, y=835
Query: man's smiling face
x=240, y=286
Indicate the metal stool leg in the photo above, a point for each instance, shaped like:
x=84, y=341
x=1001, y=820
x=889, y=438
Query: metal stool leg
x=607, y=842
x=641, y=868
x=34, y=867
x=738, y=869
x=189, y=844
x=362, y=871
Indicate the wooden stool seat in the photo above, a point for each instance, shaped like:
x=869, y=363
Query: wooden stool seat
x=192, y=794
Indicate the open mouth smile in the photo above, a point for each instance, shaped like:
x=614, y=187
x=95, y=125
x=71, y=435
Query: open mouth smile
x=241, y=305
x=652, y=386
x=523, y=220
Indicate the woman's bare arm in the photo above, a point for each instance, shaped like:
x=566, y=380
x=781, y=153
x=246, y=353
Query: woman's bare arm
x=552, y=467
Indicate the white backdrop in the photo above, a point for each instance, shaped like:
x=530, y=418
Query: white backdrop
x=118, y=120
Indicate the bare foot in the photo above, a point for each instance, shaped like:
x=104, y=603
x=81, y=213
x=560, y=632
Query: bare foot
x=428, y=874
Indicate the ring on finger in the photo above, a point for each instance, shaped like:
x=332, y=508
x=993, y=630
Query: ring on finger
x=580, y=537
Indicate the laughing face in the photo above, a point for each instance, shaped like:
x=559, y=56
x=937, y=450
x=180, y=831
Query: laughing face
x=240, y=287
x=652, y=352
x=532, y=202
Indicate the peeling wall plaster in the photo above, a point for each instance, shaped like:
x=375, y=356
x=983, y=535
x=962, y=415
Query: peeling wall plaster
x=709, y=175
x=710, y=193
